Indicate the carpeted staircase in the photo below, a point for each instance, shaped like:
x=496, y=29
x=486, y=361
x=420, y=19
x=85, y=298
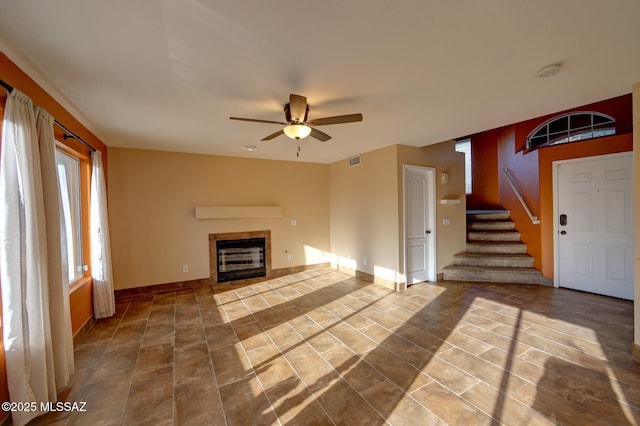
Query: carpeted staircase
x=494, y=252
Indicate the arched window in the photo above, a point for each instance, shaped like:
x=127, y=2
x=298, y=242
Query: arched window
x=571, y=127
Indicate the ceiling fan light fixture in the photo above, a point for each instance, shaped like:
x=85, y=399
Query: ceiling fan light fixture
x=297, y=131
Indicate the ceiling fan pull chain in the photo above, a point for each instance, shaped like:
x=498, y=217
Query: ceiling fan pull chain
x=298, y=153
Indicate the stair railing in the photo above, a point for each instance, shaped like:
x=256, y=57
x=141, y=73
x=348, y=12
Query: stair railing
x=507, y=174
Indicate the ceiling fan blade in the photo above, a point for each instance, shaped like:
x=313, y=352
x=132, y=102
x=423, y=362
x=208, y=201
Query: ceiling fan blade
x=273, y=135
x=338, y=119
x=255, y=120
x=298, y=107
x=321, y=136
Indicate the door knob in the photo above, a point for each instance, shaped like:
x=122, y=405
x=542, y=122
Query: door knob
x=563, y=232
x=428, y=231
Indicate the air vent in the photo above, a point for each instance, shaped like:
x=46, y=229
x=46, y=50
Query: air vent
x=355, y=161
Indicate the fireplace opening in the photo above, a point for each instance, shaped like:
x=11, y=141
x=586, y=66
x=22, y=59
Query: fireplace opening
x=240, y=259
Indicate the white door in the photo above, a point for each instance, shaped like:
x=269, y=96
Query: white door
x=419, y=218
x=593, y=224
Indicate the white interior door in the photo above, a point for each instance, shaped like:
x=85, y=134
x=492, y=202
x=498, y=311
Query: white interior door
x=419, y=218
x=594, y=224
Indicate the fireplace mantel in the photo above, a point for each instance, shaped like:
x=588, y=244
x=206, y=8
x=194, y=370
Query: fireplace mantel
x=239, y=212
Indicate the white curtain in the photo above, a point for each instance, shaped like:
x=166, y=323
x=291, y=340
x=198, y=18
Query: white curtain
x=59, y=309
x=31, y=286
x=103, y=297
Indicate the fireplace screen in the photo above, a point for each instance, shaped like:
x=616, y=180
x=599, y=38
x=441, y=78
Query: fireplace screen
x=240, y=259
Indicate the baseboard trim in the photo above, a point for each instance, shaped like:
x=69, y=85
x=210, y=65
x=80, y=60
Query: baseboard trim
x=365, y=276
x=83, y=330
x=635, y=352
x=184, y=285
x=548, y=282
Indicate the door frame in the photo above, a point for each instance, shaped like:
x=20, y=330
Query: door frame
x=556, y=201
x=430, y=200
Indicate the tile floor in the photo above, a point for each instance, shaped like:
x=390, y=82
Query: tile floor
x=321, y=347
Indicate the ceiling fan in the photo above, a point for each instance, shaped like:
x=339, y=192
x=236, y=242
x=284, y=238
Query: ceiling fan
x=297, y=124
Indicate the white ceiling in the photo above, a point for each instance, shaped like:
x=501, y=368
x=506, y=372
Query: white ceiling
x=166, y=75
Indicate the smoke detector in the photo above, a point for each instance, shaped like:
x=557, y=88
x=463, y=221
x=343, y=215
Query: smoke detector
x=549, y=70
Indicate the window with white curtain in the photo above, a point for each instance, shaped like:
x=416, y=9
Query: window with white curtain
x=464, y=146
x=71, y=212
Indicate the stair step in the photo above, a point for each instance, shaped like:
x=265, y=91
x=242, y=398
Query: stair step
x=494, y=252
x=491, y=260
x=491, y=225
x=493, y=236
x=492, y=274
x=509, y=247
x=488, y=215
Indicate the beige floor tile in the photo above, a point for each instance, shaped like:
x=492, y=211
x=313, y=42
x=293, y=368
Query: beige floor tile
x=399, y=407
x=295, y=405
x=322, y=347
x=251, y=335
x=345, y=406
x=162, y=314
x=352, y=338
x=314, y=371
x=230, y=364
x=158, y=334
x=502, y=407
x=119, y=360
x=187, y=334
x=245, y=403
x=270, y=366
x=483, y=370
x=192, y=362
x=150, y=401
x=449, y=407
x=157, y=360
x=198, y=402
x=220, y=335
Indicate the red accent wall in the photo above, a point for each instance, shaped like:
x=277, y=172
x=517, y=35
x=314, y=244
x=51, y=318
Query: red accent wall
x=484, y=167
x=504, y=148
x=524, y=170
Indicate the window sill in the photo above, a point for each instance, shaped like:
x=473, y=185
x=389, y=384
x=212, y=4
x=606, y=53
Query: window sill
x=81, y=282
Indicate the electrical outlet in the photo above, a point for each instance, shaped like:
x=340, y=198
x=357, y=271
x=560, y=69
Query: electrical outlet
x=185, y=268
x=365, y=261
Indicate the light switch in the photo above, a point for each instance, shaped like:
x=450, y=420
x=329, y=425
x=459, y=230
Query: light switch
x=446, y=221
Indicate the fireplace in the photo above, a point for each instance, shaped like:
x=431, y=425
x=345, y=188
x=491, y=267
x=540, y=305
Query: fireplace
x=239, y=256
x=240, y=259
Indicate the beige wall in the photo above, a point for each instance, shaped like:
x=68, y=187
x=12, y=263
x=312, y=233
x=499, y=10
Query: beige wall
x=364, y=214
x=352, y=216
x=450, y=239
x=153, y=195
x=366, y=205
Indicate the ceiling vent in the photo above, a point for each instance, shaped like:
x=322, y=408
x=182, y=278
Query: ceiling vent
x=354, y=161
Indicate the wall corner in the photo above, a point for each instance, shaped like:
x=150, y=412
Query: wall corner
x=636, y=219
